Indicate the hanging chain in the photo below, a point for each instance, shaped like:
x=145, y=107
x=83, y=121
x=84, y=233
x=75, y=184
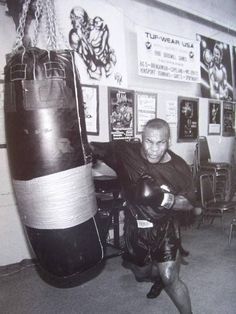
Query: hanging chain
x=38, y=15
x=51, y=27
x=44, y=15
x=21, y=27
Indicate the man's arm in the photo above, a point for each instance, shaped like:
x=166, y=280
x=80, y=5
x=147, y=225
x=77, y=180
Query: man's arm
x=182, y=203
x=186, y=197
x=105, y=152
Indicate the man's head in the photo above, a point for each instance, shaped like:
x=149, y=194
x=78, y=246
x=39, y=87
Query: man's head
x=155, y=140
x=79, y=17
x=218, y=53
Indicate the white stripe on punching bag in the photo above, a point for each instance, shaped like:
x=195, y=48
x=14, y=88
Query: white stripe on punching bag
x=57, y=201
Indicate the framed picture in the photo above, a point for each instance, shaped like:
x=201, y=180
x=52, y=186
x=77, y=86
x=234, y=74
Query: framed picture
x=187, y=119
x=146, y=109
x=121, y=113
x=216, y=69
x=214, y=117
x=90, y=97
x=228, y=118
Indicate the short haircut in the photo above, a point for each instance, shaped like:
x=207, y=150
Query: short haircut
x=218, y=46
x=157, y=124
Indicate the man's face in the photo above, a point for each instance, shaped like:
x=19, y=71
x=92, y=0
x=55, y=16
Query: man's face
x=77, y=18
x=155, y=144
x=217, y=55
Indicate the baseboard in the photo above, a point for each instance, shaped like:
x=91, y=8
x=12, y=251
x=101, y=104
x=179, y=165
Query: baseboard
x=13, y=268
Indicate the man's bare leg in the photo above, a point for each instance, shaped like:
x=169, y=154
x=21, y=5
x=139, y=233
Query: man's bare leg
x=174, y=286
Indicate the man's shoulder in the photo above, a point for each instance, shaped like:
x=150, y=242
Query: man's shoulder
x=126, y=147
x=174, y=155
x=126, y=144
x=176, y=158
x=118, y=145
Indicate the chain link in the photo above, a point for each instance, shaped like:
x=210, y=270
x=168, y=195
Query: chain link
x=21, y=28
x=44, y=16
x=51, y=24
x=38, y=15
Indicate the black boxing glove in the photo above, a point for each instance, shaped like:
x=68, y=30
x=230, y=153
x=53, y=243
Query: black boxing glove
x=147, y=193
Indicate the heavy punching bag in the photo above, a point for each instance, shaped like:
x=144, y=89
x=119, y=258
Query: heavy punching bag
x=50, y=160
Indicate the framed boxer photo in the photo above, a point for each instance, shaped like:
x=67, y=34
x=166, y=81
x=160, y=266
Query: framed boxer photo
x=228, y=125
x=187, y=127
x=214, y=117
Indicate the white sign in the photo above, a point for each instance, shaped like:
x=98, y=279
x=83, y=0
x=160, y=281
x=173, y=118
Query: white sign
x=166, y=56
x=146, y=109
x=214, y=128
x=171, y=111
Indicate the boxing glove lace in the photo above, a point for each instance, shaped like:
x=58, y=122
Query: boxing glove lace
x=149, y=194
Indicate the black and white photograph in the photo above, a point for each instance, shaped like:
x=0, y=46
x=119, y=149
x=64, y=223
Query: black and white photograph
x=117, y=157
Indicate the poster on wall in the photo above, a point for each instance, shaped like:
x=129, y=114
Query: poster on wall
x=216, y=71
x=214, y=117
x=228, y=119
x=234, y=64
x=90, y=98
x=121, y=114
x=96, y=33
x=187, y=119
x=146, y=109
x=166, y=56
